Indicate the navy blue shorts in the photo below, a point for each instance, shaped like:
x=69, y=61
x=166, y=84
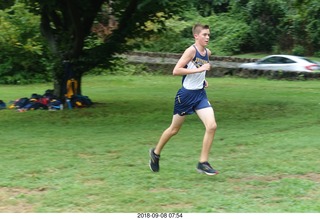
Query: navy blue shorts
x=188, y=101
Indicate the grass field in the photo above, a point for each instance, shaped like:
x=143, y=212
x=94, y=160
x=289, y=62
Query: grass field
x=96, y=159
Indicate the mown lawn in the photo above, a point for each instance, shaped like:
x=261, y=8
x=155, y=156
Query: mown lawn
x=96, y=159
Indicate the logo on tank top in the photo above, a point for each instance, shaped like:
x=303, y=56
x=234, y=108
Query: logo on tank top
x=199, y=62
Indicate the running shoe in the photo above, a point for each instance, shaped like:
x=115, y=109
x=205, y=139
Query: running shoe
x=206, y=168
x=154, y=161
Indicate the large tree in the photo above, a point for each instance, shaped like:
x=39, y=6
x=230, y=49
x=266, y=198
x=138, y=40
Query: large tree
x=67, y=24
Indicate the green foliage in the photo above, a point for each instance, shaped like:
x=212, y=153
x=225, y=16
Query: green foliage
x=298, y=50
x=228, y=34
x=176, y=37
x=22, y=56
x=167, y=41
x=264, y=18
x=286, y=27
x=312, y=17
x=247, y=26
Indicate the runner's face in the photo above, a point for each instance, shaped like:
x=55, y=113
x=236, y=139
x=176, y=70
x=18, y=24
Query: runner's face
x=203, y=37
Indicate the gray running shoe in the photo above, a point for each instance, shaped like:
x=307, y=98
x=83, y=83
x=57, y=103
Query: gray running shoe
x=206, y=168
x=154, y=161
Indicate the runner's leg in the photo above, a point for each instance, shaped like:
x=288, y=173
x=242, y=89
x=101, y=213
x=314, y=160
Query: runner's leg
x=207, y=117
x=172, y=130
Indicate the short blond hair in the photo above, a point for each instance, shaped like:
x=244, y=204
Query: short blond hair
x=197, y=28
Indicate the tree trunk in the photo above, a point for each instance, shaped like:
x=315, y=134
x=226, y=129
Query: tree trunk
x=64, y=73
x=65, y=24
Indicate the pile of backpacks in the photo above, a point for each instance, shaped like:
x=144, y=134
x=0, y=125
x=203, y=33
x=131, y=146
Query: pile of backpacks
x=47, y=101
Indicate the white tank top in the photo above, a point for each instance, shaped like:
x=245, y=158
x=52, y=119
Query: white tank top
x=195, y=81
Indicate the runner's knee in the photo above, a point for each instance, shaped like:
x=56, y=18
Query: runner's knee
x=211, y=127
x=174, y=130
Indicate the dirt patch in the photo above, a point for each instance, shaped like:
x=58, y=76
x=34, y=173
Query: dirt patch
x=14, y=200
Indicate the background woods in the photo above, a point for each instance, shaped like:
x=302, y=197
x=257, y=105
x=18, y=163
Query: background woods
x=54, y=40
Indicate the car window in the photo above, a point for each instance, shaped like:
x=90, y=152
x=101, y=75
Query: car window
x=270, y=60
x=284, y=60
x=276, y=60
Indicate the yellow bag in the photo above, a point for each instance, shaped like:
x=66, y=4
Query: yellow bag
x=72, y=87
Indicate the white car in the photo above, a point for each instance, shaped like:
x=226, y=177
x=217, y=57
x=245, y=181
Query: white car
x=284, y=63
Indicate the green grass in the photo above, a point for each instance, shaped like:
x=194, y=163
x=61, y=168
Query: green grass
x=96, y=159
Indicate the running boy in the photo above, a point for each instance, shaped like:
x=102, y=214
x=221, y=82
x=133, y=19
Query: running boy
x=191, y=98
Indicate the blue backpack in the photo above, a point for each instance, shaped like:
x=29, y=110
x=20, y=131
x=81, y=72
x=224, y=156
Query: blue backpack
x=2, y=105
